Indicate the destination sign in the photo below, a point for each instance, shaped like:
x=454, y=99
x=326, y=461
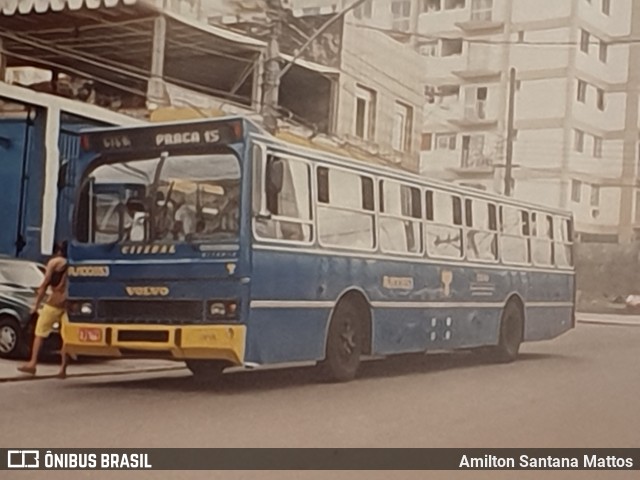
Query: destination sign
x=164, y=137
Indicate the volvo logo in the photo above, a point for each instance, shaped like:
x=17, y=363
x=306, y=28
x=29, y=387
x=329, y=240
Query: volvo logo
x=145, y=291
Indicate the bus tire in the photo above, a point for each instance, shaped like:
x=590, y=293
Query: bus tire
x=511, y=334
x=345, y=342
x=209, y=371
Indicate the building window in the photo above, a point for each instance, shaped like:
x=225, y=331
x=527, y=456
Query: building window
x=597, y=147
x=578, y=141
x=401, y=11
x=445, y=141
x=429, y=49
x=584, y=41
x=426, y=142
x=402, y=127
x=429, y=6
x=595, y=195
x=606, y=7
x=364, y=10
x=365, y=118
x=600, y=99
x=451, y=46
x=576, y=190
x=603, y=51
x=453, y=4
x=582, y=91
x=481, y=10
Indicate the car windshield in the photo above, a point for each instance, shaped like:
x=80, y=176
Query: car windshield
x=20, y=274
x=167, y=198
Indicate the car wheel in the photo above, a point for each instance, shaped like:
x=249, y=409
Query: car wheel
x=11, y=338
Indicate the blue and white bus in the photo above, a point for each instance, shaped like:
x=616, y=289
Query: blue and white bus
x=213, y=243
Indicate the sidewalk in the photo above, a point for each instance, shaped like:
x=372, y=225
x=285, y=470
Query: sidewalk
x=85, y=368
x=608, y=319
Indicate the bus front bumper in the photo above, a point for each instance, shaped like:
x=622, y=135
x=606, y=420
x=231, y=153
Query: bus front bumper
x=216, y=342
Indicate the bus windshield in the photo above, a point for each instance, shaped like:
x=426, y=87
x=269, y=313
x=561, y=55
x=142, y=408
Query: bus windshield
x=190, y=198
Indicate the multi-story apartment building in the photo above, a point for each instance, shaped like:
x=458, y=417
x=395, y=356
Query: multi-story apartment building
x=377, y=98
x=576, y=102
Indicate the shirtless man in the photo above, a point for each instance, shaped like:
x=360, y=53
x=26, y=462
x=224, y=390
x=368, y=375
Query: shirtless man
x=53, y=310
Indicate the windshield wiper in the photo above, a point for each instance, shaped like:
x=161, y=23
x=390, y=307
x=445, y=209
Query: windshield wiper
x=152, y=196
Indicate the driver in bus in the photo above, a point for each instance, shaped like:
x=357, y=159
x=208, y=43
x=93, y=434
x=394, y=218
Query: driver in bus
x=185, y=220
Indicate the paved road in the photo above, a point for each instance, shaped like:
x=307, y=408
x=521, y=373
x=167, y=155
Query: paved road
x=580, y=390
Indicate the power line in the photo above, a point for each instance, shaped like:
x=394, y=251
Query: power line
x=621, y=41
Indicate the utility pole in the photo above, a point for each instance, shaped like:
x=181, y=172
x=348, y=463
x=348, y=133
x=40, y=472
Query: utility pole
x=271, y=83
x=508, y=177
x=272, y=71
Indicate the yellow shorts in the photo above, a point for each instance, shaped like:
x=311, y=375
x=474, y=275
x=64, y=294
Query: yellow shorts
x=47, y=317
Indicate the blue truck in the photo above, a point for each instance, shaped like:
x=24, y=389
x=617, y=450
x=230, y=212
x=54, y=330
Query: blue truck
x=37, y=182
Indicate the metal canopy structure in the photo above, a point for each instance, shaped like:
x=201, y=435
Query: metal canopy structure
x=121, y=44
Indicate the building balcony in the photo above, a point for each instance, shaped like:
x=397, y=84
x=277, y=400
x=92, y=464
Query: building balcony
x=473, y=164
x=477, y=73
x=479, y=25
x=473, y=121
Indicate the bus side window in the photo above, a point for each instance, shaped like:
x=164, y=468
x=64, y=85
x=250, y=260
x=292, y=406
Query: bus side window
x=288, y=201
x=444, y=225
x=457, y=211
x=513, y=239
x=400, y=223
x=346, y=209
x=542, y=240
x=482, y=234
x=562, y=242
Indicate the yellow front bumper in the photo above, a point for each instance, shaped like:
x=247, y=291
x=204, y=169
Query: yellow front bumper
x=218, y=342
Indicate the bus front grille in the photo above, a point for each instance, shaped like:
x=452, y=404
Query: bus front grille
x=150, y=311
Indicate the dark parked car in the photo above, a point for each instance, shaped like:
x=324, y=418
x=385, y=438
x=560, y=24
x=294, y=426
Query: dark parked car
x=19, y=280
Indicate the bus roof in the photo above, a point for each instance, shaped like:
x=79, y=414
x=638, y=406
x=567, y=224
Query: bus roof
x=317, y=152
x=402, y=175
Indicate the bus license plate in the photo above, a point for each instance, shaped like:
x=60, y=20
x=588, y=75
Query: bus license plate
x=90, y=335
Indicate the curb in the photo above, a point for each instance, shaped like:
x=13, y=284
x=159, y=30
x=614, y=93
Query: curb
x=611, y=322
x=89, y=374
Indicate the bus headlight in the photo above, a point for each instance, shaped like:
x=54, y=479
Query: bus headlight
x=222, y=309
x=86, y=309
x=80, y=307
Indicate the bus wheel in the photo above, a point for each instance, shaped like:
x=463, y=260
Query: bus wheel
x=344, y=344
x=209, y=371
x=511, y=333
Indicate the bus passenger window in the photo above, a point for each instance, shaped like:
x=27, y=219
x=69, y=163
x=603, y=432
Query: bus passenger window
x=444, y=225
x=400, y=218
x=288, y=199
x=345, y=209
x=513, y=240
x=482, y=238
x=542, y=240
x=562, y=242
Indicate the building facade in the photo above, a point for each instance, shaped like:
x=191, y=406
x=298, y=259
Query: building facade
x=377, y=100
x=576, y=103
